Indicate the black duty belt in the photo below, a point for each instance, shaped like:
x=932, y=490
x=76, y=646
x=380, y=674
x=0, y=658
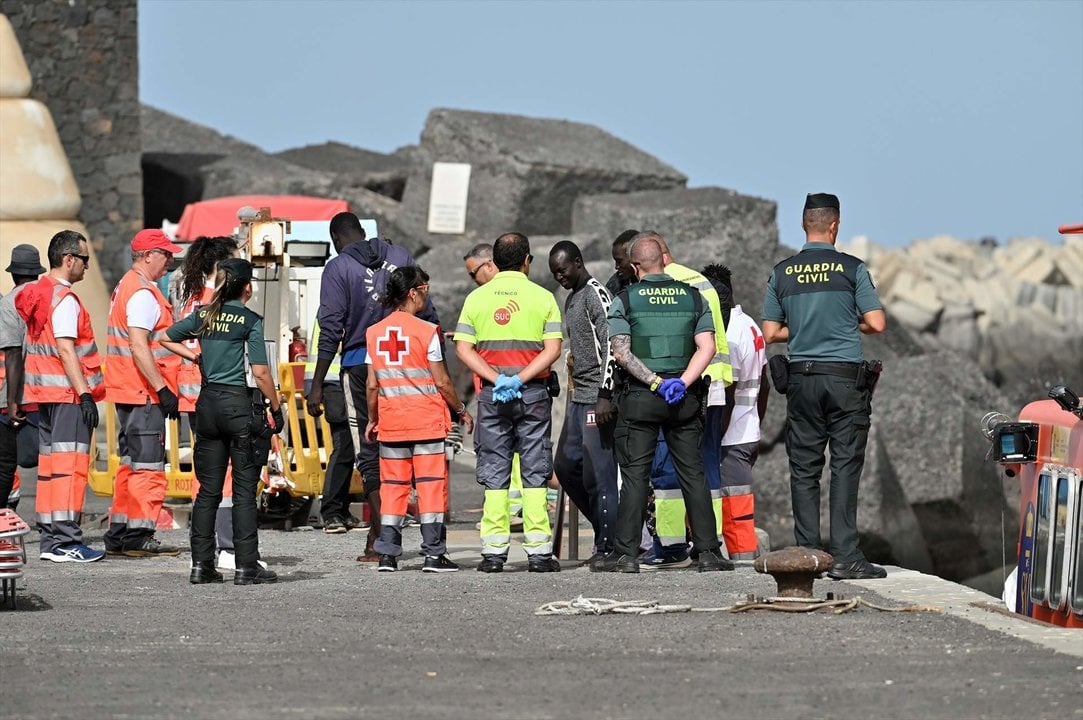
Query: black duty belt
x=809, y=367
x=233, y=389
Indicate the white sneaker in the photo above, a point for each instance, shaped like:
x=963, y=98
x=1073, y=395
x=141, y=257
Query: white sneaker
x=227, y=560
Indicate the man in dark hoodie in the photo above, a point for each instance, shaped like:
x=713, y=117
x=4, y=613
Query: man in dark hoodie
x=350, y=292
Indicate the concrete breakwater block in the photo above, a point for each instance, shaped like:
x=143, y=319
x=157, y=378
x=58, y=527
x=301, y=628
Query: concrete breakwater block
x=526, y=173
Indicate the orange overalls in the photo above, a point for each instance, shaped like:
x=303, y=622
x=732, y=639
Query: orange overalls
x=140, y=484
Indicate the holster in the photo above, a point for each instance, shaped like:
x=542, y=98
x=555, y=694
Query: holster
x=779, y=368
x=552, y=385
x=868, y=375
x=259, y=427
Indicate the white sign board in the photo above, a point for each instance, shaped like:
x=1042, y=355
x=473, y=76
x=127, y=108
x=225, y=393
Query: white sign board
x=447, y=198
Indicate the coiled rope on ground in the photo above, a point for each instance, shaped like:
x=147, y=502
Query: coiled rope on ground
x=605, y=606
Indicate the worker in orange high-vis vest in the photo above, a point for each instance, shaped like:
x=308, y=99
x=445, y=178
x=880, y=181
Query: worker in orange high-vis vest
x=141, y=381
x=410, y=399
x=196, y=290
x=63, y=375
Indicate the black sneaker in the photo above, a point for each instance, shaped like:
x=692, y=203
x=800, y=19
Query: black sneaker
x=334, y=526
x=712, y=561
x=592, y=559
x=674, y=561
x=151, y=547
x=439, y=564
x=491, y=564
x=254, y=575
x=387, y=563
x=859, y=570
x=352, y=522
x=544, y=564
x=615, y=563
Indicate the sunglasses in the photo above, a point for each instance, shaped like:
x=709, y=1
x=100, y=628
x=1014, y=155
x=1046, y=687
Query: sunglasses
x=84, y=258
x=475, y=271
x=419, y=288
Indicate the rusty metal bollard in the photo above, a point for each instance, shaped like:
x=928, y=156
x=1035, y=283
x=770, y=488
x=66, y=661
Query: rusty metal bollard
x=794, y=569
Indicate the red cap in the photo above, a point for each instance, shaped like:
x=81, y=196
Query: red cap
x=153, y=239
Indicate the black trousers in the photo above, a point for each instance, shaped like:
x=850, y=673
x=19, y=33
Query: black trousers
x=226, y=418
x=357, y=409
x=823, y=410
x=9, y=452
x=587, y=470
x=340, y=466
x=642, y=414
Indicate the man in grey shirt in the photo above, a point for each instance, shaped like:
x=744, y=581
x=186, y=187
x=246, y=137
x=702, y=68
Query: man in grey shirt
x=585, y=464
x=25, y=268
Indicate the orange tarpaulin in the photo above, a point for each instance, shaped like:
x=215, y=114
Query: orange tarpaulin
x=219, y=215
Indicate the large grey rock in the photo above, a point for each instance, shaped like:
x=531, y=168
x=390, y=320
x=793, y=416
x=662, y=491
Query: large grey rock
x=381, y=173
x=701, y=226
x=526, y=173
x=198, y=163
x=165, y=132
x=958, y=329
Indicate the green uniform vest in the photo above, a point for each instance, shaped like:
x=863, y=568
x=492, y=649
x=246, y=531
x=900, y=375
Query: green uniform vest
x=663, y=315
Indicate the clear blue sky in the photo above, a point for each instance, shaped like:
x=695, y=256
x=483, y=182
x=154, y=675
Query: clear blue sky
x=963, y=118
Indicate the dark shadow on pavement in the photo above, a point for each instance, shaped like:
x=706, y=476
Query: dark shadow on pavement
x=26, y=602
x=300, y=576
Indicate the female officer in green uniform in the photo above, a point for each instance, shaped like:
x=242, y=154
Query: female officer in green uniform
x=231, y=420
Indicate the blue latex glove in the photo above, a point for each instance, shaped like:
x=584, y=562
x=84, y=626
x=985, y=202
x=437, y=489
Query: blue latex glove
x=506, y=388
x=663, y=386
x=673, y=390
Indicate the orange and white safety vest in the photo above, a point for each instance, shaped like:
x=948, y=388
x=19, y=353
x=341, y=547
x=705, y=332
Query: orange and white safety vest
x=188, y=378
x=123, y=381
x=410, y=406
x=45, y=379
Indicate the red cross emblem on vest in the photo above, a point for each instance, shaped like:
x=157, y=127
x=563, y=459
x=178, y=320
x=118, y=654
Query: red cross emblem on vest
x=392, y=346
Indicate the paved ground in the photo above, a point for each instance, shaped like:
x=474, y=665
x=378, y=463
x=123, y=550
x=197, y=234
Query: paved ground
x=131, y=638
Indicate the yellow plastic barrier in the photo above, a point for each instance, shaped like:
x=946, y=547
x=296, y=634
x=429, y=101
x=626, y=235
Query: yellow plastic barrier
x=304, y=458
x=178, y=474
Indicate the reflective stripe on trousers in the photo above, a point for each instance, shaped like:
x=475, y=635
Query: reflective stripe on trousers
x=140, y=484
x=424, y=465
x=63, y=466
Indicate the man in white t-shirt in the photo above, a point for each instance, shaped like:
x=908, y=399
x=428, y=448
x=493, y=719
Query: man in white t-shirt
x=63, y=375
x=741, y=425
